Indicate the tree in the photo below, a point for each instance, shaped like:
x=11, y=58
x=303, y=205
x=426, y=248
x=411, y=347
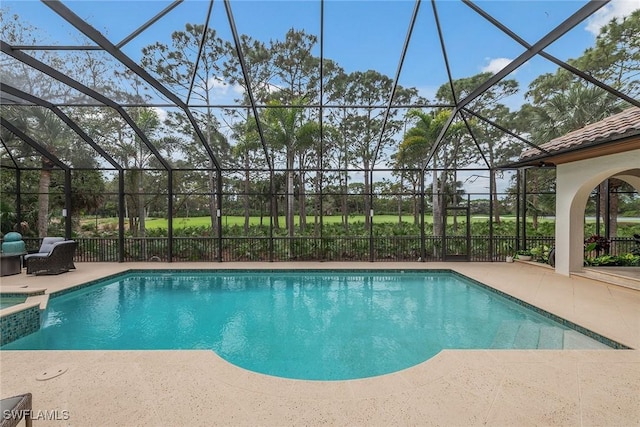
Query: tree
x=554, y=116
x=497, y=147
x=284, y=75
x=174, y=66
x=247, y=153
x=281, y=132
x=564, y=112
x=310, y=153
x=412, y=151
x=296, y=69
x=363, y=142
x=419, y=141
x=562, y=101
x=615, y=58
x=41, y=124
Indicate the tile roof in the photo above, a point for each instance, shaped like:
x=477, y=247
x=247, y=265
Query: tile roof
x=619, y=125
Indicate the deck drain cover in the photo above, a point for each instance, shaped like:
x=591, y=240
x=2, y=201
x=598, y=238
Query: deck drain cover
x=48, y=374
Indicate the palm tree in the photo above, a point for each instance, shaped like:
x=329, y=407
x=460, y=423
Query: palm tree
x=282, y=132
x=46, y=129
x=412, y=151
x=571, y=110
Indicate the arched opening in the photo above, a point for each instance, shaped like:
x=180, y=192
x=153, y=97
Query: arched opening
x=575, y=182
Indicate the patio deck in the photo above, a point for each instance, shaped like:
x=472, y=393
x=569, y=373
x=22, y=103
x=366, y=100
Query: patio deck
x=457, y=387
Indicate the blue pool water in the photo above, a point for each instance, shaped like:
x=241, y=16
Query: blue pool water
x=6, y=302
x=310, y=325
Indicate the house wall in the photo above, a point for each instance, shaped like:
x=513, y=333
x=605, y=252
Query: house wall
x=574, y=183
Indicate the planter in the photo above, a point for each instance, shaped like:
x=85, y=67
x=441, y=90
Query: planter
x=524, y=257
x=509, y=259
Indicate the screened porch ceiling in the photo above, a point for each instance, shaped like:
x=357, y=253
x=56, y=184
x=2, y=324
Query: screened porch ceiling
x=84, y=65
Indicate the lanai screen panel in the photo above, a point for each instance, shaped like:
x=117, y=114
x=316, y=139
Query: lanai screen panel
x=268, y=109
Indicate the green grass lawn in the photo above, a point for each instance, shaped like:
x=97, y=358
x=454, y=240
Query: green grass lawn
x=229, y=220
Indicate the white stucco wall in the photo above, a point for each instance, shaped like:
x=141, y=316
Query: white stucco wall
x=574, y=183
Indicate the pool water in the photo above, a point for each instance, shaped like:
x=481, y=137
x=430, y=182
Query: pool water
x=6, y=302
x=310, y=325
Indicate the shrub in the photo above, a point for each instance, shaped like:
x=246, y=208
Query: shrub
x=596, y=243
x=541, y=253
x=625, y=260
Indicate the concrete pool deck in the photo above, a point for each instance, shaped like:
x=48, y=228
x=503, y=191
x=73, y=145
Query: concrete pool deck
x=454, y=388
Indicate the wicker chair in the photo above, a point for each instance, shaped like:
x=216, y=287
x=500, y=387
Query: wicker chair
x=59, y=260
x=47, y=244
x=15, y=408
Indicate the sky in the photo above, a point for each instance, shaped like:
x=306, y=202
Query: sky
x=358, y=35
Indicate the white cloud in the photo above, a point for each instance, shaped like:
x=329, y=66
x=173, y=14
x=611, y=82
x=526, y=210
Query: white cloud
x=615, y=9
x=496, y=64
x=238, y=88
x=221, y=87
x=162, y=113
x=428, y=92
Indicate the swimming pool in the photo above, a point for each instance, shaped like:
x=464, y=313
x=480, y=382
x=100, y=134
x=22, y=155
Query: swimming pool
x=321, y=325
x=9, y=301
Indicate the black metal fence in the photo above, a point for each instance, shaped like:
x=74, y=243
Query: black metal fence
x=340, y=248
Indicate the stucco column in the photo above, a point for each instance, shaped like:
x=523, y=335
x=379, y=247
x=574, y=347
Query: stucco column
x=569, y=218
x=574, y=183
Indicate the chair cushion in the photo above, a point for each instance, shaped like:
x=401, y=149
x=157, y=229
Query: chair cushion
x=37, y=255
x=13, y=409
x=47, y=244
x=9, y=403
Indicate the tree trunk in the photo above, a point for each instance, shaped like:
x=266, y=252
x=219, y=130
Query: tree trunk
x=43, y=198
x=416, y=201
x=133, y=219
x=614, y=184
x=494, y=197
x=442, y=188
x=367, y=198
x=613, y=224
x=290, y=195
x=454, y=198
x=141, y=212
x=261, y=214
x=212, y=200
x=317, y=205
x=302, y=203
x=400, y=200
x=345, y=211
x=274, y=209
x=437, y=208
x=247, y=188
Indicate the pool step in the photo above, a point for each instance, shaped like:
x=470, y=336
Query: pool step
x=575, y=340
x=529, y=335
x=519, y=335
x=551, y=338
x=505, y=336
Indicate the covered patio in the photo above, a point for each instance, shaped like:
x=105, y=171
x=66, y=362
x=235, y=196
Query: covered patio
x=583, y=159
